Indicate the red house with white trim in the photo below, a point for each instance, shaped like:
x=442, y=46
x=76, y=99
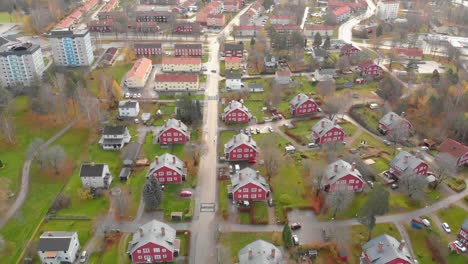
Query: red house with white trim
x=173, y=132
x=327, y=131
x=342, y=176
x=188, y=50
x=348, y=50
x=241, y=147
x=236, y=112
x=455, y=149
x=168, y=169
x=148, y=49
x=369, y=68
x=463, y=233
x=154, y=242
x=407, y=163
x=249, y=185
x=301, y=104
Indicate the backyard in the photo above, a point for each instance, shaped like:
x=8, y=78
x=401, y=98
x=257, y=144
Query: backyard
x=233, y=242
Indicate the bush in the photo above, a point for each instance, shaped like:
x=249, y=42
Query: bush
x=61, y=202
x=285, y=199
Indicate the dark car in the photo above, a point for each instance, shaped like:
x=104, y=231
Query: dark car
x=295, y=226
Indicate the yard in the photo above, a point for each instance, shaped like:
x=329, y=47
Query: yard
x=5, y=17
x=223, y=199
x=370, y=117
x=454, y=216
x=260, y=213
x=302, y=130
x=224, y=137
x=233, y=242
x=117, y=71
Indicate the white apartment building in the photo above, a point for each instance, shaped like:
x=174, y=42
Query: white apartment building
x=71, y=47
x=388, y=9
x=20, y=64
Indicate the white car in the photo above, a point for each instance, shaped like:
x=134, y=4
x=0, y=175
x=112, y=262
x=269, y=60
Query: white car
x=426, y=222
x=446, y=227
x=459, y=245
x=138, y=95
x=295, y=240
x=83, y=256
x=127, y=95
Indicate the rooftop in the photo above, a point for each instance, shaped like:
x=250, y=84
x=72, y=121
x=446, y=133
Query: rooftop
x=176, y=78
x=260, y=252
x=91, y=170
x=140, y=68
x=181, y=60
x=55, y=241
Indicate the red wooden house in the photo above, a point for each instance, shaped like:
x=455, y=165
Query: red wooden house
x=241, y=147
x=188, y=50
x=407, y=163
x=327, y=131
x=154, y=242
x=463, y=233
x=455, y=149
x=249, y=185
x=234, y=50
x=385, y=249
x=369, y=68
x=301, y=104
x=342, y=176
x=236, y=112
x=348, y=50
x=173, y=132
x=104, y=26
x=168, y=169
x=148, y=49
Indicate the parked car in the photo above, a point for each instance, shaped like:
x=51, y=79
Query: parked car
x=83, y=256
x=295, y=226
x=252, y=131
x=295, y=240
x=446, y=227
x=313, y=145
x=387, y=142
x=137, y=121
x=185, y=193
x=127, y=95
x=459, y=245
x=426, y=222
x=236, y=168
x=394, y=186
x=243, y=203
x=213, y=71
x=257, y=130
x=270, y=129
x=270, y=202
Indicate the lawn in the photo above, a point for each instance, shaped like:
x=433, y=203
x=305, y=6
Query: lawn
x=369, y=116
x=184, y=238
x=233, y=242
x=167, y=110
x=281, y=141
x=255, y=108
x=349, y=128
x=5, y=17
x=224, y=137
x=453, y=215
x=244, y=218
x=83, y=228
x=172, y=202
x=380, y=164
x=223, y=201
x=117, y=71
x=302, y=130
x=260, y=215
x=372, y=142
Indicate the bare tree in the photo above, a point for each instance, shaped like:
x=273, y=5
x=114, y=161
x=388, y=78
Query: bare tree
x=343, y=64
x=412, y=184
x=338, y=201
x=446, y=166
x=398, y=134
x=326, y=88
x=331, y=106
x=195, y=150
x=56, y=157
x=377, y=203
x=34, y=146
x=313, y=173
x=270, y=155
x=7, y=127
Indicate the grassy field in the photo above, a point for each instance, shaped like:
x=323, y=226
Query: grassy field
x=5, y=17
x=224, y=137
x=302, y=129
x=223, y=201
x=372, y=142
x=349, y=128
x=453, y=215
x=233, y=242
x=117, y=71
x=370, y=116
x=260, y=212
x=380, y=164
x=244, y=218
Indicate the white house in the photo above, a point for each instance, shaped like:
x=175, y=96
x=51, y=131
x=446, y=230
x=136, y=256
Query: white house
x=233, y=81
x=58, y=247
x=95, y=175
x=114, y=137
x=388, y=9
x=129, y=108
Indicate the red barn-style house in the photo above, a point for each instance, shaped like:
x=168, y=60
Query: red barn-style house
x=327, y=131
x=407, y=163
x=393, y=122
x=369, y=68
x=188, y=50
x=249, y=185
x=385, y=249
x=342, y=176
x=236, y=112
x=148, y=49
x=241, y=147
x=348, y=50
x=173, y=132
x=456, y=150
x=463, y=233
x=301, y=104
x=168, y=169
x=154, y=242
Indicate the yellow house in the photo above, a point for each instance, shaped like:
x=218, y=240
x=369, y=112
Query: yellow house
x=138, y=75
x=176, y=82
x=232, y=63
x=181, y=64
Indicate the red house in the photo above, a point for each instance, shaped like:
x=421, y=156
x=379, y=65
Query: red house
x=407, y=163
x=234, y=50
x=327, y=131
x=154, y=242
x=168, y=169
x=385, y=249
x=173, y=132
x=455, y=149
x=301, y=104
x=241, y=147
x=348, y=50
x=101, y=25
x=188, y=50
x=369, y=68
x=249, y=185
x=236, y=112
x=463, y=233
x=342, y=176
x=148, y=49
x=215, y=20
x=393, y=122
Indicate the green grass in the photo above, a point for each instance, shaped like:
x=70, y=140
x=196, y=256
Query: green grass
x=236, y=241
x=281, y=142
x=224, y=137
x=184, y=242
x=172, y=202
x=205, y=56
x=117, y=72
x=111, y=254
x=349, y=129
x=302, y=129
x=223, y=201
x=202, y=78
x=244, y=218
x=380, y=164
x=83, y=228
x=46, y=61
x=5, y=18
x=255, y=108
x=260, y=212
x=453, y=215
x=370, y=116
x=371, y=141
x=167, y=109
x=351, y=212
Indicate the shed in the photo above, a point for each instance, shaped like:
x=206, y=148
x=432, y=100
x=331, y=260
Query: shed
x=177, y=216
x=124, y=174
x=290, y=149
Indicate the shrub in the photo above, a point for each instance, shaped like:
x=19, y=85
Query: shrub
x=285, y=199
x=61, y=202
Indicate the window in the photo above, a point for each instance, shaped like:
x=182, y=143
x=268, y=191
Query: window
x=140, y=257
x=246, y=189
x=156, y=250
x=163, y=250
x=161, y=173
x=169, y=179
x=351, y=181
x=253, y=189
x=253, y=196
x=245, y=196
x=146, y=250
x=158, y=257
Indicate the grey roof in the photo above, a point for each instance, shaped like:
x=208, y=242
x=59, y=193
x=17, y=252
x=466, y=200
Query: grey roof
x=55, y=241
x=236, y=105
x=187, y=46
x=167, y=160
x=392, y=120
x=91, y=170
x=255, y=85
x=248, y=175
x=152, y=233
x=7, y=39
x=112, y=141
x=174, y=123
x=238, y=140
x=131, y=151
x=124, y=173
x=465, y=224
x=399, y=163
x=299, y=99
x=343, y=169
x=67, y=32
x=18, y=49
x=323, y=126
x=147, y=45
x=261, y=253
x=114, y=130
x=390, y=250
x=234, y=46
x=230, y=75
x=128, y=104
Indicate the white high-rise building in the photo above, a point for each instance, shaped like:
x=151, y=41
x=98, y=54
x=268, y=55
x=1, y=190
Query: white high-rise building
x=71, y=47
x=388, y=9
x=20, y=64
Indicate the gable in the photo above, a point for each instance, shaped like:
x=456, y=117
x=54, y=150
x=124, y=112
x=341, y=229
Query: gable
x=171, y=130
x=242, y=146
x=250, y=185
x=237, y=110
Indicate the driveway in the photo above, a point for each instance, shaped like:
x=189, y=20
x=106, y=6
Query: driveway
x=309, y=231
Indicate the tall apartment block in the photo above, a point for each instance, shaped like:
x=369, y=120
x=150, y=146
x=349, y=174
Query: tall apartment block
x=20, y=64
x=71, y=47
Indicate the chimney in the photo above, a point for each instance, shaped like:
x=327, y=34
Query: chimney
x=49, y=234
x=402, y=245
x=141, y=231
x=173, y=160
x=323, y=124
x=180, y=123
x=391, y=117
x=250, y=253
x=353, y=166
x=405, y=159
x=156, y=159
x=380, y=247
x=403, y=114
x=163, y=231
x=336, y=168
x=273, y=253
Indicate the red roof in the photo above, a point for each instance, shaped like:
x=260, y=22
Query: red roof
x=232, y=60
x=181, y=60
x=176, y=78
x=280, y=17
x=453, y=147
x=283, y=73
x=140, y=68
x=341, y=10
x=219, y=16
x=409, y=52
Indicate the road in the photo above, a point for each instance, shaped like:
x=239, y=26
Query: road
x=25, y=176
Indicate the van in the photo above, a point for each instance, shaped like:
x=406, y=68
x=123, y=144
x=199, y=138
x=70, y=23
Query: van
x=374, y=106
x=313, y=145
x=237, y=168
x=83, y=256
x=426, y=222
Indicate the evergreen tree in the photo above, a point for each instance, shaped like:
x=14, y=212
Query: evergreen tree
x=252, y=42
x=379, y=31
x=326, y=43
x=317, y=40
x=287, y=236
x=152, y=193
